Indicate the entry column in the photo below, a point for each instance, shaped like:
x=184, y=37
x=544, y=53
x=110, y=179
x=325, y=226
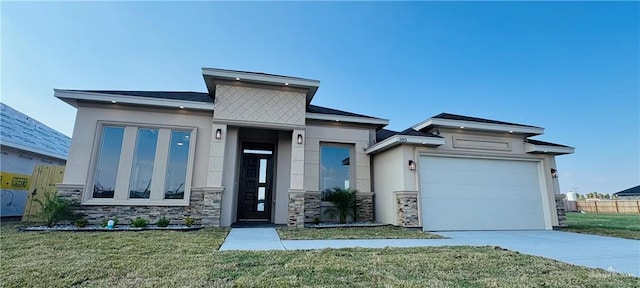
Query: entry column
x=296, y=186
x=213, y=191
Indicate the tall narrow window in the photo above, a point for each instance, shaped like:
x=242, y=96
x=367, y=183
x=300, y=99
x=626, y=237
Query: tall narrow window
x=104, y=183
x=335, y=171
x=177, y=164
x=142, y=169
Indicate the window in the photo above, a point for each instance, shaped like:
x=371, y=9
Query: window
x=143, y=165
x=335, y=166
x=104, y=183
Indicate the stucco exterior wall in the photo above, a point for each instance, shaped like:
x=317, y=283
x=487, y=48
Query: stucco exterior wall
x=283, y=172
x=389, y=177
x=230, y=177
x=260, y=106
x=86, y=133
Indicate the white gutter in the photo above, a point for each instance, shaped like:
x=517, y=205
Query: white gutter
x=351, y=119
x=71, y=98
x=460, y=124
x=546, y=149
x=396, y=140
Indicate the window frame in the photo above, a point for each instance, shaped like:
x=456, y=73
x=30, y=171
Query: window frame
x=123, y=179
x=352, y=162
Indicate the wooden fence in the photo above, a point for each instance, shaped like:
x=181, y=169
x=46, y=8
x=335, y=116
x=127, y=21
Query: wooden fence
x=43, y=183
x=605, y=206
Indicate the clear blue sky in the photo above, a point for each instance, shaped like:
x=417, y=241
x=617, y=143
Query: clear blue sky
x=572, y=68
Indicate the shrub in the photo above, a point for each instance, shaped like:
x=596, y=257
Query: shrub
x=139, y=222
x=163, y=222
x=344, y=201
x=81, y=222
x=316, y=220
x=55, y=209
x=189, y=221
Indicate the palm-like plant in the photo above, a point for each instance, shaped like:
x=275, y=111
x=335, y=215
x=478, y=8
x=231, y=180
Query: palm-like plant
x=344, y=201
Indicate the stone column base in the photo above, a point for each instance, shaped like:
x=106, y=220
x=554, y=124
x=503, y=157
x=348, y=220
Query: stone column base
x=311, y=206
x=364, y=204
x=212, y=206
x=561, y=210
x=296, y=208
x=407, y=211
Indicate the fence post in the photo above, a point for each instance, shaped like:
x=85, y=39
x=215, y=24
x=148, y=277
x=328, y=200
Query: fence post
x=616, y=202
x=596, y=204
x=638, y=205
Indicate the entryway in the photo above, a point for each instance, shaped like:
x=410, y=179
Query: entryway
x=255, y=185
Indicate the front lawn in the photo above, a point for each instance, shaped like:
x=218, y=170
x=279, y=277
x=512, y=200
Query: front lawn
x=382, y=232
x=615, y=225
x=190, y=259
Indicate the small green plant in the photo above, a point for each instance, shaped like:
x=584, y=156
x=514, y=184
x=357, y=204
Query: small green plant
x=316, y=220
x=139, y=222
x=189, y=221
x=163, y=222
x=344, y=201
x=81, y=222
x=55, y=209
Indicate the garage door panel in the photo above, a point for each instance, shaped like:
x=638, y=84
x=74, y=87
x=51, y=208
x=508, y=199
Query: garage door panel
x=458, y=221
x=468, y=191
x=484, y=206
x=480, y=194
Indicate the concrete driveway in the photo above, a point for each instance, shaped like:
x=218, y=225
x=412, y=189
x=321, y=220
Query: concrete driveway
x=614, y=254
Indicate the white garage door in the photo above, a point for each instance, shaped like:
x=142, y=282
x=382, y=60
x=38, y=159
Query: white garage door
x=480, y=194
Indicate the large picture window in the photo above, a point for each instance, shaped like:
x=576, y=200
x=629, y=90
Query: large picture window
x=104, y=184
x=142, y=165
x=335, y=166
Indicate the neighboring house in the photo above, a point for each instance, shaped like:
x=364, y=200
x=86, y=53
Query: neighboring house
x=253, y=148
x=25, y=143
x=632, y=193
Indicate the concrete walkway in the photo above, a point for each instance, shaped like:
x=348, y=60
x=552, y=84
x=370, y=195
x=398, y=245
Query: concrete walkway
x=615, y=254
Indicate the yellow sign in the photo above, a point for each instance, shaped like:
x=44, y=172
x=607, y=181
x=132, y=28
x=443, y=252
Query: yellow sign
x=13, y=181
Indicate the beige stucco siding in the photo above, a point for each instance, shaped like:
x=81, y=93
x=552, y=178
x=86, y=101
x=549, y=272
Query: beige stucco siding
x=230, y=175
x=317, y=134
x=86, y=133
x=283, y=177
x=389, y=177
x=259, y=107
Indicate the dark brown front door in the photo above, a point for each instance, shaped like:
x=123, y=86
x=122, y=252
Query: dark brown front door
x=255, y=187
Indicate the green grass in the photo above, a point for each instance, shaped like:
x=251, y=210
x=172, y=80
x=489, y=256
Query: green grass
x=190, y=259
x=383, y=232
x=615, y=225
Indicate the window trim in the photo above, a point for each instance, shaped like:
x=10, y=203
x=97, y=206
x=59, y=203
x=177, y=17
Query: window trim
x=126, y=160
x=352, y=161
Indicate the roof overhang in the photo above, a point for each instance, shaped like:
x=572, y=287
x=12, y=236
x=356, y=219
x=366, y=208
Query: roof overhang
x=32, y=149
x=72, y=97
x=490, y=127
x=349, y=119
x=547, y=149
x=396, y=140
x=211, y=75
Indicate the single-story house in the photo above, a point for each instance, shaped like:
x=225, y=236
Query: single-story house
x=24, y=144
x=632, y=193
x=254, y=148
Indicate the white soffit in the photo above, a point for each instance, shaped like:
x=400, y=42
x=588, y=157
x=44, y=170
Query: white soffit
x=457, y=124
x=547, y=149
x=351, y=119
x=403, y=139
x=71, y=97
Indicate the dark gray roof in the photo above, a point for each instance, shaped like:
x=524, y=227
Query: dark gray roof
x=20, y=131
x=385, y=133
x=633, y=191
x=175, y=95
x=449, y=116
x=538, y=142
x=324, y=110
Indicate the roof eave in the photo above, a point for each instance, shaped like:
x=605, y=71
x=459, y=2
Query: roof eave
x=379, y=122
x=284, y=81
x=396, y=140
x=72, y=97
x=470, y=125
x=546, y=149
